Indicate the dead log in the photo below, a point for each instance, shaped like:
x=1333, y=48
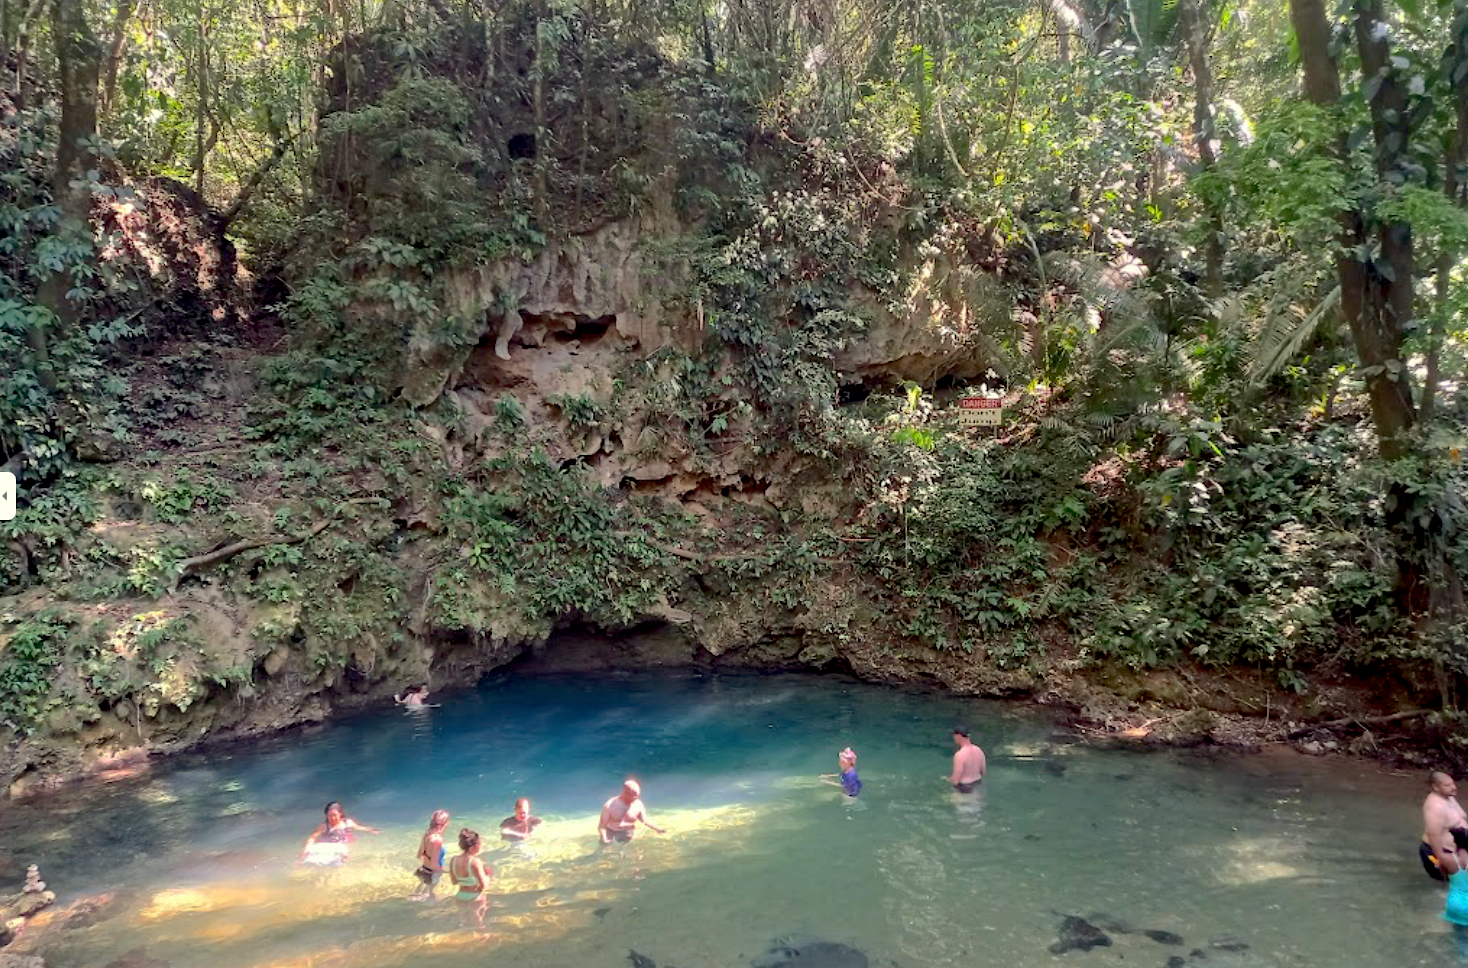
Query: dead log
x=198, y=563
x=1362, y=722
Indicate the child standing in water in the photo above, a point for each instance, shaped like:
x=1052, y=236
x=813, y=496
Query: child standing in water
x=847, y=779
x=470, y=876
x=430, y=858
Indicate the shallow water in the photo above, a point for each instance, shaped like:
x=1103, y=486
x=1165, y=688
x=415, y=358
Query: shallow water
x=1253, y=862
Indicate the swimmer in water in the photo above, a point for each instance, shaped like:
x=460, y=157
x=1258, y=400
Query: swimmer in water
x=622, y=813
x=1444, y=825
x=430, y=857
x=847, y=779
x=969, y=764
x=415, y=696
x=338, y=829
x=521, y=825
x=471, y=877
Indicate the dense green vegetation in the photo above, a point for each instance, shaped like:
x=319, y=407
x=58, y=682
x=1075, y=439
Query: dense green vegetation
x=1213, y=256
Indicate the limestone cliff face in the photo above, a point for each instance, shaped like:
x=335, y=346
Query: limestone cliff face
x=578, y=348
x=599, y=279
x=586, y=318
x=943, y=327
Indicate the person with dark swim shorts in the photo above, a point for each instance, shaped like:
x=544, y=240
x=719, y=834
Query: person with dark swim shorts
x=1444, y=825
x=847, y=779
x=622, y=813
x=969, y=764
x=521, y=825
x=431, y=852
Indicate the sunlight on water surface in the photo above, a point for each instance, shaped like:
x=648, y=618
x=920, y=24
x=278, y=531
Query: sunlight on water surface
x=1255, y=862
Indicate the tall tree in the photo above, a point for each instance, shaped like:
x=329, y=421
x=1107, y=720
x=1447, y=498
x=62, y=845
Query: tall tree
x=79, y=59
x=1376, y=294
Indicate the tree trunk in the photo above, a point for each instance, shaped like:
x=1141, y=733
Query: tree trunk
x=1376, y=297
x=79, y=57
x=201, y=63
x=1454, y=187
x=22, y=48
x=114, y=53
x=1196, y=35
x=1388, y=296
x=542, y=187
x=1366, y=298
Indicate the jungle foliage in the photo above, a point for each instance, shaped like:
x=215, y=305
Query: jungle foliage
x=1214, y=252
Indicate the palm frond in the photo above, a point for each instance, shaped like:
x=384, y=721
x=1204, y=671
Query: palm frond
x=1284, y=332
x=1098, y=283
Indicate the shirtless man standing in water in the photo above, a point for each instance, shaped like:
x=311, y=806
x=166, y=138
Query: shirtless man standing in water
x=968, y=763
x=1444, y=824
x=622, y=813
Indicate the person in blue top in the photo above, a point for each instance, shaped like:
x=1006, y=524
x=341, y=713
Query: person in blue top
x=847, y=779
x=1455, y=912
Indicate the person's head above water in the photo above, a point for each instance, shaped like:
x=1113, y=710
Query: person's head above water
x=631, y=790
x=1442, y=784
x=960, y=735
x=439, y=820
x=468, y=841
x=334, y=813
x=847, y=758
x=522, y=808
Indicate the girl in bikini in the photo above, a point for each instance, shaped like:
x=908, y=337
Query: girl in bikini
x=471, y=877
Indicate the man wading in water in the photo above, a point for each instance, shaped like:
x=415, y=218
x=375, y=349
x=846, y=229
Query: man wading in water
x=622, y=813
x=1444, y=825
x=968, y=763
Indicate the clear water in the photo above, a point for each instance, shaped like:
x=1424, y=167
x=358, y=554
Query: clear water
x=1308, y=863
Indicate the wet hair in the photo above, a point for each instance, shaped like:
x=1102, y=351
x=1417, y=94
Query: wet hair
x=335, y=803
x=960, y=731
x=468, y=840
x=440, y=818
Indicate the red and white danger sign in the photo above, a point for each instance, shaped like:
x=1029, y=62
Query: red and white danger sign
x=980, y=411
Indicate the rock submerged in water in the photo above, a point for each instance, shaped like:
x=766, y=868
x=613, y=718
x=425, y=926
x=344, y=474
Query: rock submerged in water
x=811, y=953
x=1110, y=924
x=20, y=961
x=1078, y=934
x=1164, y=937
x=137, y=958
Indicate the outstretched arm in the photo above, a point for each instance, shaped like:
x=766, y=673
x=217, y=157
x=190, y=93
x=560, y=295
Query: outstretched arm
x=642, y=816
x=353, y=825
x=312, y=839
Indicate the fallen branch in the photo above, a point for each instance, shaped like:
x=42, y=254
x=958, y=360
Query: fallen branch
x=683, y=553
x=199, y=562
x=1362, y=722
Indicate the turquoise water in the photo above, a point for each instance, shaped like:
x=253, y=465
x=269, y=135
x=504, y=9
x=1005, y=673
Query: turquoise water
x=1253, y=862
